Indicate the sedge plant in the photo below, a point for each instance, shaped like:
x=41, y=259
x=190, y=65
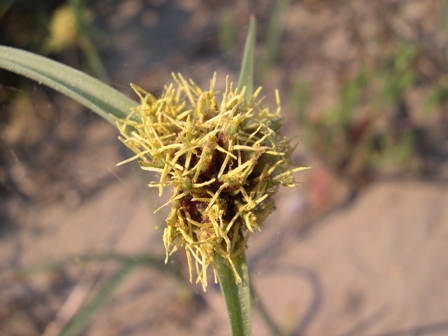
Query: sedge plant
x=223, y=157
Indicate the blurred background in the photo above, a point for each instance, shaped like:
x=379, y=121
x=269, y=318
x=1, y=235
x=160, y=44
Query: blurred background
x=358, y=248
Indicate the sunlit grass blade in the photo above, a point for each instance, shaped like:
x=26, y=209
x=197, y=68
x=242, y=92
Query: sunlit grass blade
x=247, y=65
x=88, y=91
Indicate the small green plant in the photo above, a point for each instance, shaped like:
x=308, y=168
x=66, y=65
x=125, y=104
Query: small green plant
x=224, y=157
x=64, y=31
x=368, y=129
x=227, y=32
x=68, y=29
x=273, y=36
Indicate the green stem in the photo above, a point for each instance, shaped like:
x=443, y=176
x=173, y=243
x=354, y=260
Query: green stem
x=237, y=296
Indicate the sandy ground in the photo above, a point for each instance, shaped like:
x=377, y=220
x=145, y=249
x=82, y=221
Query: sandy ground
x=377, y=266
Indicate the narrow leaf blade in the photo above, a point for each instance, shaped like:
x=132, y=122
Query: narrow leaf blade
x=88, y=91
x=247, y=65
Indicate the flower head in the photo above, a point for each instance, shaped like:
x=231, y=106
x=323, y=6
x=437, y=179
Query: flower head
x=224, y=160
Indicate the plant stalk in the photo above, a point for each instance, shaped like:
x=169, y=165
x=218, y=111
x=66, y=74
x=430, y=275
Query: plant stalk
x=237, y=296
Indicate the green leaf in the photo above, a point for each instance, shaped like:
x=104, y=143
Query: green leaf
x=86, y=90
x=237, y=296
x=247, y=65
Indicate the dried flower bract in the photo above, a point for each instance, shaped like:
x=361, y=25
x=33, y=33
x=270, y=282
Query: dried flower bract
x=224, y=160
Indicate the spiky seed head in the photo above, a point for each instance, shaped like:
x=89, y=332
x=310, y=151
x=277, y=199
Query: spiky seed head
x=224, y=161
